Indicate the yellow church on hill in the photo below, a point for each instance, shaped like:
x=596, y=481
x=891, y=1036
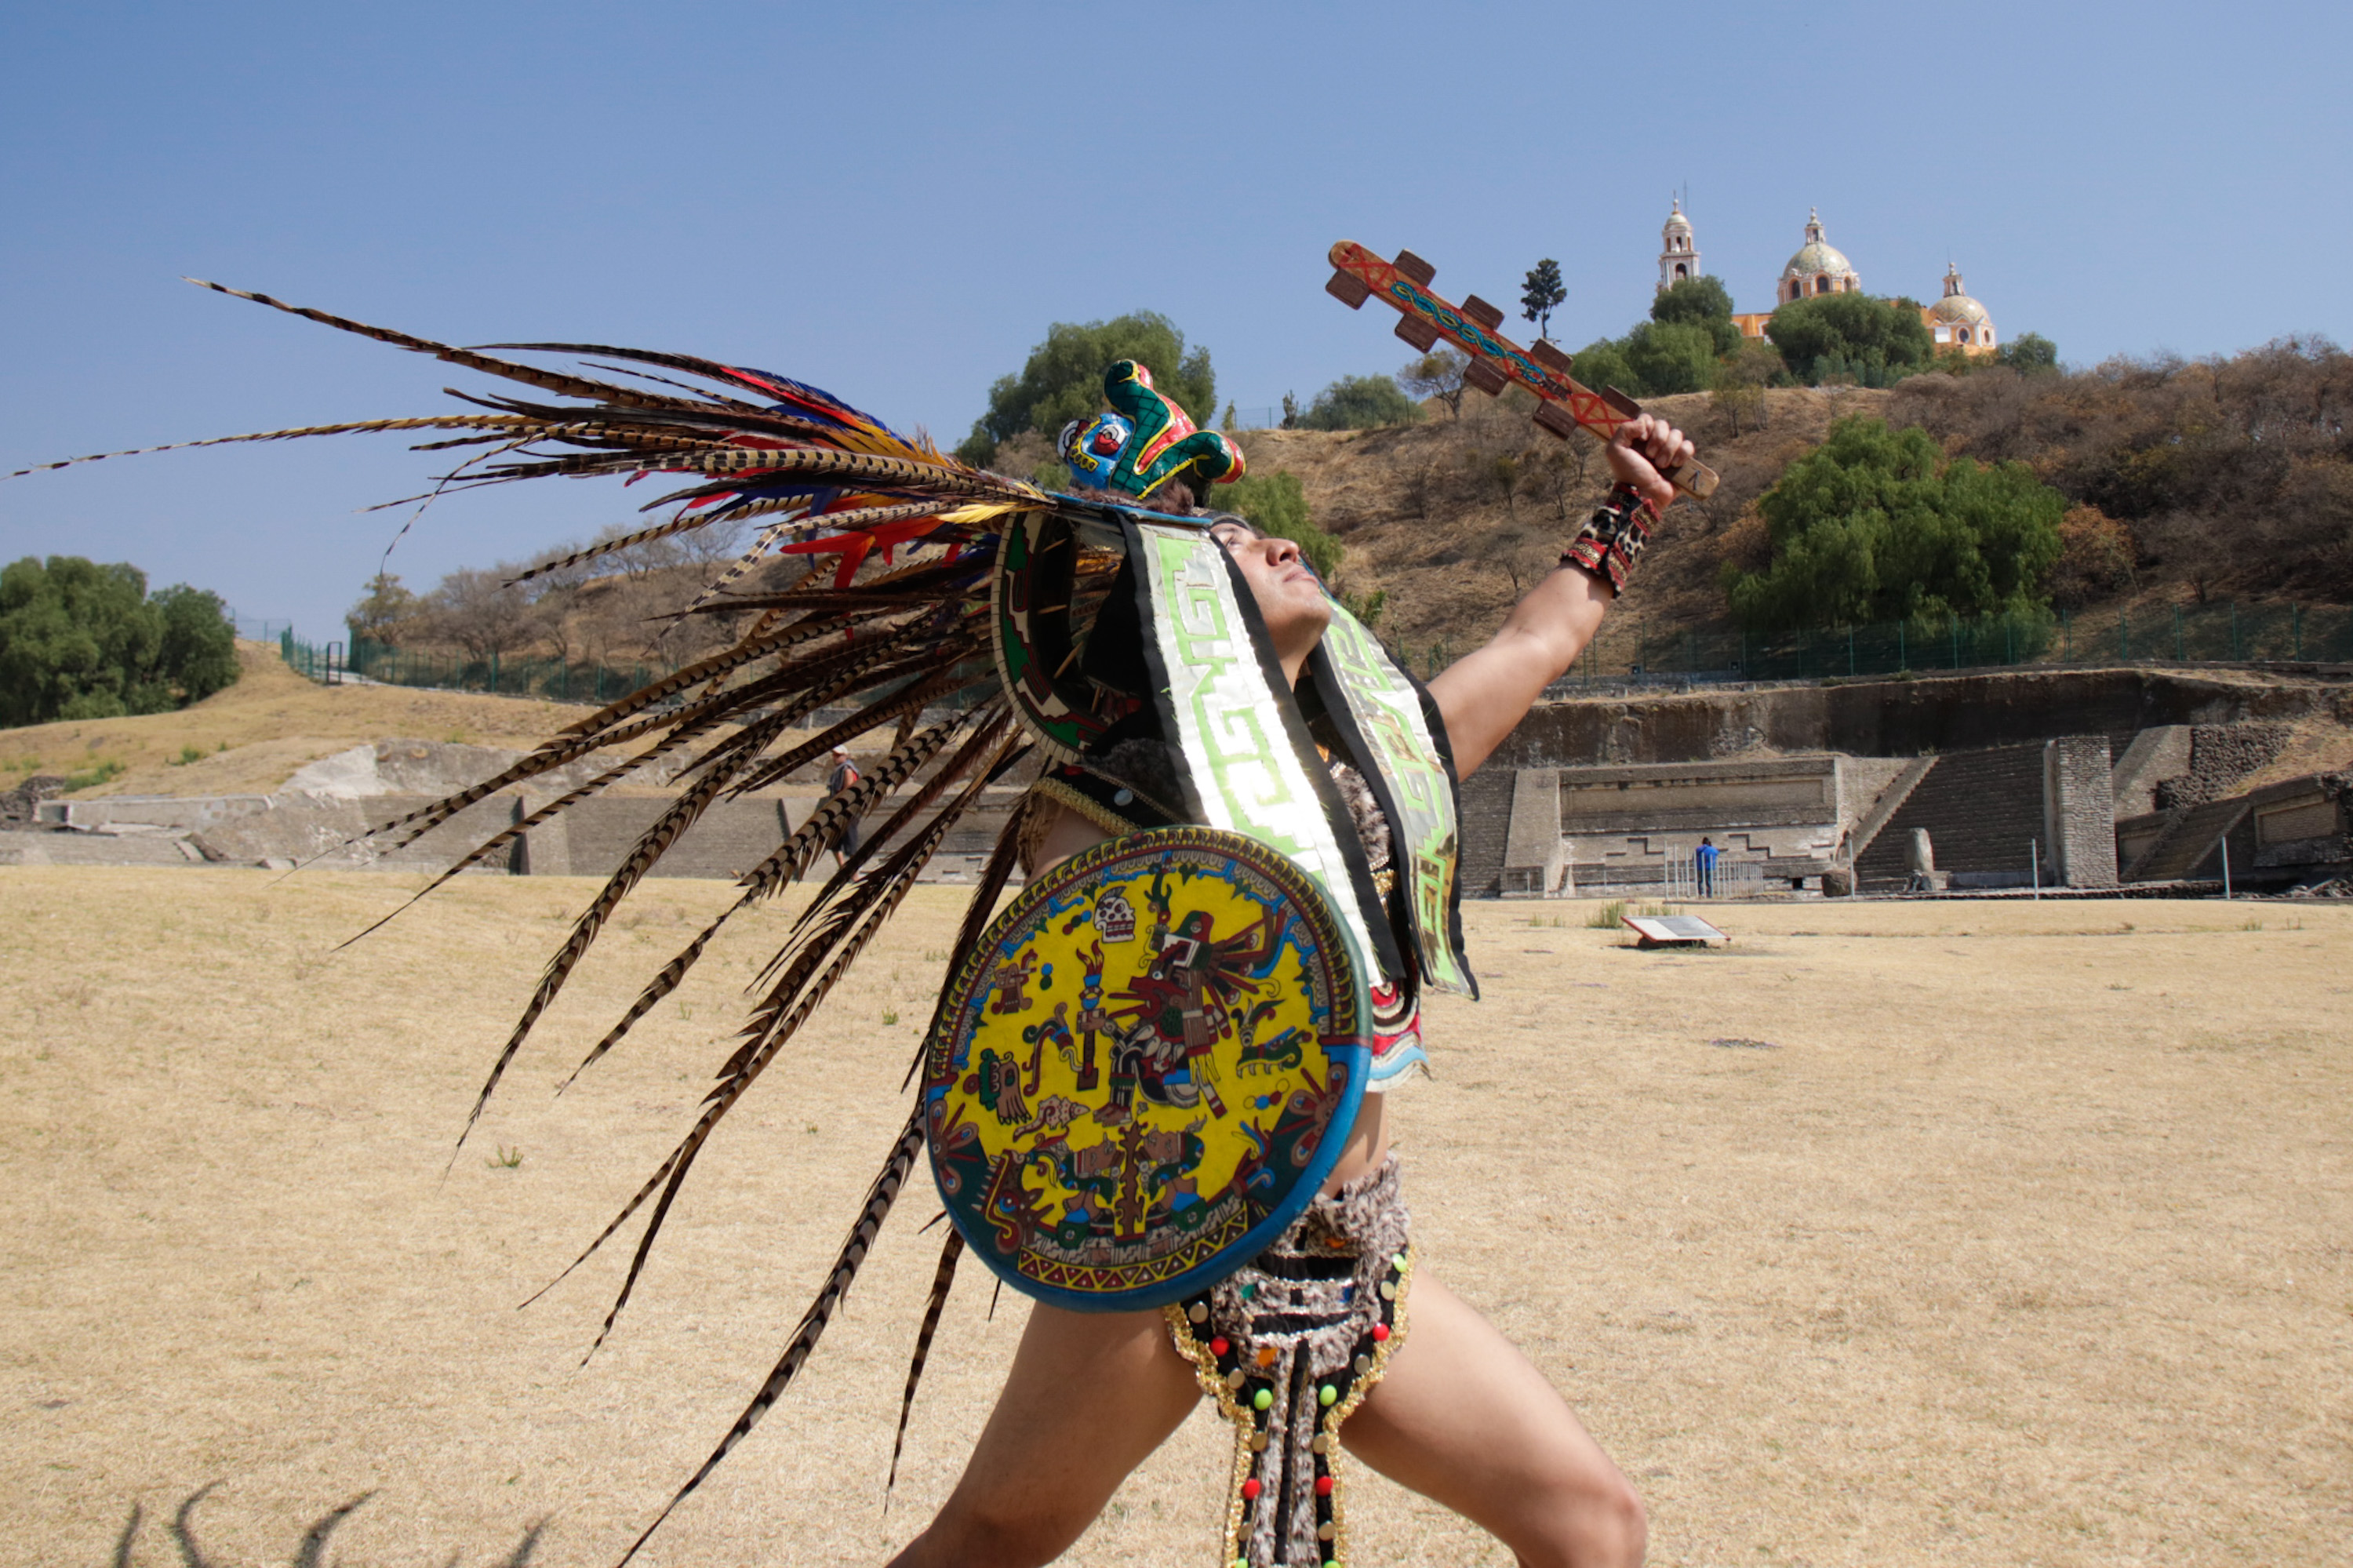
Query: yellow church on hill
x=1956, y=320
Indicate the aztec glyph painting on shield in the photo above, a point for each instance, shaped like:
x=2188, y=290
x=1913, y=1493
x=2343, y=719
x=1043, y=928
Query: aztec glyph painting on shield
x=1137, y=1070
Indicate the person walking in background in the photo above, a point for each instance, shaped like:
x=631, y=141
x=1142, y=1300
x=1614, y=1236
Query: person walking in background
x=1703, y=863
x=843, y=775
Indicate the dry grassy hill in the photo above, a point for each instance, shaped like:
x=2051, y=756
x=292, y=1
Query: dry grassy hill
x=1454, y=517
x=256, y=732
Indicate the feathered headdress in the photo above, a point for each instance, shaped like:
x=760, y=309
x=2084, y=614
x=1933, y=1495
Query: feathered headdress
x=957, y=613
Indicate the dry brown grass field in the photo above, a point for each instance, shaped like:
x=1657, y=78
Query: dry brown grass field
x=1891, y=1233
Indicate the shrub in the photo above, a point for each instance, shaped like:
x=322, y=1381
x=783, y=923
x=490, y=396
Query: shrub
x=81, y=640
x=1360, y=403
x=1842, y=337
x=2095, y=557
x=1876, y=525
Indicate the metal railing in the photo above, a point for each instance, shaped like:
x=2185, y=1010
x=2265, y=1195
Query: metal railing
x=1681, y=879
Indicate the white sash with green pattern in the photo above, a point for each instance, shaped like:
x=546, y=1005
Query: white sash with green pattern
x=1415, y=792
x=1230, y=732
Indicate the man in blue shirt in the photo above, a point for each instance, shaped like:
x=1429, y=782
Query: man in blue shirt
x=1705, y=862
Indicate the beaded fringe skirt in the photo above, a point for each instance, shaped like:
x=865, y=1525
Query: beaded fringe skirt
x=1288, y=1346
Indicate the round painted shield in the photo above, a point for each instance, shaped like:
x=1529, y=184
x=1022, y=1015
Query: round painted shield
x=1147, y=1068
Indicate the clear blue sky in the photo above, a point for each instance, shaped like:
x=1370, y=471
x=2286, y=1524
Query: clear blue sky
x=895, y=201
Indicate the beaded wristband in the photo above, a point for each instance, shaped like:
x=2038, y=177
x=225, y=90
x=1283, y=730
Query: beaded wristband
x=1619, y=530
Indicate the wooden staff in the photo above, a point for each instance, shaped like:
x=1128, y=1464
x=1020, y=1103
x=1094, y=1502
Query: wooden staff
x=1563, y=404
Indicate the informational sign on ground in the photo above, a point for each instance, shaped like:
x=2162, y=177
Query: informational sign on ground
x=1674, y=931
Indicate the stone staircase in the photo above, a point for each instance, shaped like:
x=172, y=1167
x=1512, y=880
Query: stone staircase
x=1981, y=807
x=1883, y=811
x=2188, y=844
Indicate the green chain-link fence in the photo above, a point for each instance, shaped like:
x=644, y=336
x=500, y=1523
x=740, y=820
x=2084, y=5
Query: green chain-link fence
x=561, y=679
x=2233, y=634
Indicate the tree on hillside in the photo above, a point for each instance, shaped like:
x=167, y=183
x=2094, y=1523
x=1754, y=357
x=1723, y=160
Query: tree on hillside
x=1542, y=295
x=1701, y=302
x=1829, y=337
x=1669, y=357
x=80, y=640
x=2095, y=558
x=1062, y=379
x=2028, y=353
x=1602, y=363
x=477, y=610
x=379, y=614
x=1360, y=403
x=1437, y=373
x=1876, y=525
x=1740, y=381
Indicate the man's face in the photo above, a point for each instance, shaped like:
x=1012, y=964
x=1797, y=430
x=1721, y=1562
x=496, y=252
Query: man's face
x=1288, y=593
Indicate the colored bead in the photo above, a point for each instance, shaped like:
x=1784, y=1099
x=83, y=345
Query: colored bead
x=1327, y=1394
x=1251, y=1489
x=1198, y=1312
x=1122, y=797
x=1364, y=1365
x=1322, y=1445
x=1249, y=1288
x=1266, y=1355
x=1322, y=1486
x=1397, y=1258
x=1326, y=1530
x=1388, y=1289
x=1381, y=1333
x=1218, y=1346
x=1258, y=1443
x=1262, y=1398
x=1234, y=1378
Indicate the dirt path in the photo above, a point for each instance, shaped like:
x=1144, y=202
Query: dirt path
x=2021, y=1237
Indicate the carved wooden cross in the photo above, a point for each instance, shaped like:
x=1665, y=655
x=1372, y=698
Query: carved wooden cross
x=1496, y=361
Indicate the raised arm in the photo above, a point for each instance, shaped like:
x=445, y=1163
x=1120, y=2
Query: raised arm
x=1485, y=695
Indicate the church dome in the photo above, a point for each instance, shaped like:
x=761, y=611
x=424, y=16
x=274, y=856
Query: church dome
x=1817, y=255
x=1676, y=222
x=1817, y=258
x=1957, y=309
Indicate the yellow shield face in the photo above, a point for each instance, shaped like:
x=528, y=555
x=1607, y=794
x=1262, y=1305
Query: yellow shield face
x=1146, y=1069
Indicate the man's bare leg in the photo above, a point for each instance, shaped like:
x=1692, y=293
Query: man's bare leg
x=1090, y=1395
x=1466, y=1420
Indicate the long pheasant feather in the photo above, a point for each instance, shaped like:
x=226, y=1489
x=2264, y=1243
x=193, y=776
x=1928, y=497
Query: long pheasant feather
x=942, y=1280
x=429, y=422
x=880, y=1198
x=901, y=763
x=657, y=841
x=826, y=957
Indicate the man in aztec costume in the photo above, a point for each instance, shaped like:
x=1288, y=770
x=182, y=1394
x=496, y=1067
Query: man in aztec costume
x=1155, y=1094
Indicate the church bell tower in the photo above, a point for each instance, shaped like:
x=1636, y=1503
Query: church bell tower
x=1678, y=255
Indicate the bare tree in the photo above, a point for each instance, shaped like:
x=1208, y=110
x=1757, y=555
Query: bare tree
x=1437, y=373
x=479, y=611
